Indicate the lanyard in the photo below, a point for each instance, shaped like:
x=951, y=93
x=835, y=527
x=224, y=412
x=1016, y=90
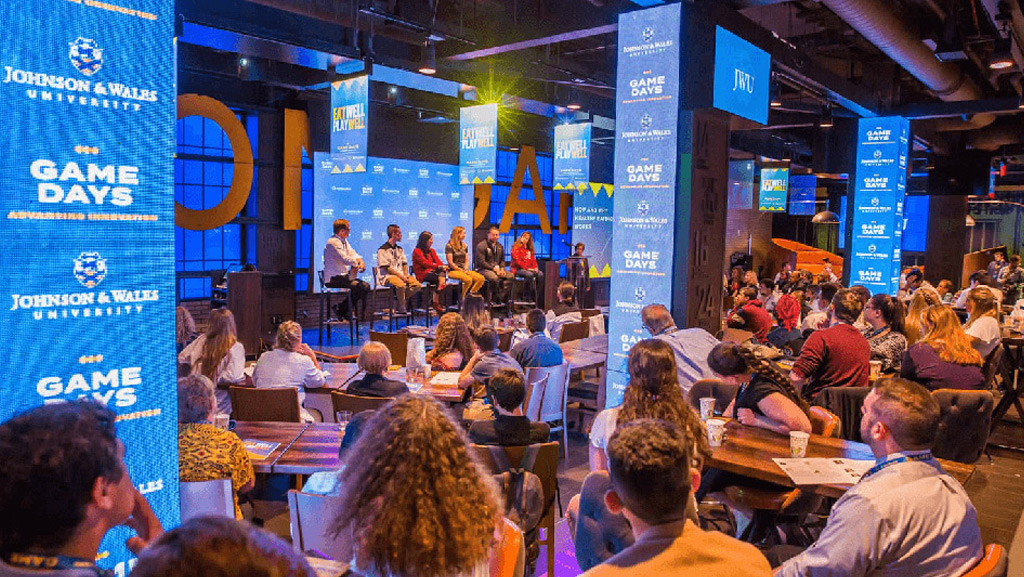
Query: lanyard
x=906, y=458
x=54, y=562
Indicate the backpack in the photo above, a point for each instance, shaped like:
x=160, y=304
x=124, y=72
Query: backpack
x=523, y=494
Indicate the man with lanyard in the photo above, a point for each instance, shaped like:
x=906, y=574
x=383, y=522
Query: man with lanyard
x=691, y=346
x=341, y=264
x=906, y=516
x=62, y=487
x=393, y=268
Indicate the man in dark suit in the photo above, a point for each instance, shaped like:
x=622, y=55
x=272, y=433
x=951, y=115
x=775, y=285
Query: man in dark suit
x=507, y=390
x=489, y=260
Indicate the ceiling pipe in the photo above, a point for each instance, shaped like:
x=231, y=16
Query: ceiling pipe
x=882, y=27
x=321, y=11
x=1005, y=132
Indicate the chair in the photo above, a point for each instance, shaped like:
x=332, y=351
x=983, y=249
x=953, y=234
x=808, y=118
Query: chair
x=508, y=558
x=993, y=363
x=200, y=498
x=574, y=331
x=325, y=311
x=824, y=423
x=845, y=402
x=309, y=525
x=739, y=336
x=995, y=563
x=391, y=311
x=513, y=302
x=599, y=533
x=546, y=469
x=587, y=313
x=965, y=420
x=280, y=404
x=504, y=341
x=342, y=401
x=723, y=394
x=534, y=398
x=553, y=405
x=397, y=344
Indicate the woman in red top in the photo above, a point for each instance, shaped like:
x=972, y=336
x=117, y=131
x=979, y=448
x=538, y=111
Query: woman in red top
x=524, y=264
x=427, y=267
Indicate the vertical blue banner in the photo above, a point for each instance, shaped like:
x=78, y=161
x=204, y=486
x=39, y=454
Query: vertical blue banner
x=803, y=194
x=349, y=129
x=774, y=187
x=646, y=143
x=572, y=156
x=879, y=189
x=741, y=184
x=478, y=144
x=88, y=91
x=592, y=224
x=742, y=75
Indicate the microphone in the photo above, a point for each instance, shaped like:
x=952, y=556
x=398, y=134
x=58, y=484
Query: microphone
x=566, y=243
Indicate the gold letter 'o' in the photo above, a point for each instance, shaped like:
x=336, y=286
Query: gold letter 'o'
x=241, y=149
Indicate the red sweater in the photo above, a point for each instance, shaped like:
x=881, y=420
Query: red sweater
x=522, y=258
x=838, y=356
x=754, y=319
x=424, y=264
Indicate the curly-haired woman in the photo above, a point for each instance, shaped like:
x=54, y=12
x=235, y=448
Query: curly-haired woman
x=453, y=346
x=414, y=500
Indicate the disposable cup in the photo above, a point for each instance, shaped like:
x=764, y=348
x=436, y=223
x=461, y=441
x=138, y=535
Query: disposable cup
x=707, y=407
x=716, y=431
x=798, y=444
x=221, y=420
x=876, y=369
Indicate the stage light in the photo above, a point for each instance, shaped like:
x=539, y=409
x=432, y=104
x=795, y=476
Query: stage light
x=428, y=62
x=574, y=99
x=775, y=93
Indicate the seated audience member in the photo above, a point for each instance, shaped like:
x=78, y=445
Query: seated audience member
x=837, y=356
x=475, y=312
x=428, y=268
x=326, y=482
x=290, y=364
x=782, y=277
x=912, y=322
x=506, y=391
x=827, y=274
x=884, y=315
x=945, y=290
x=414, y=501
x=538, y=349
x=487, y=360
x=750, y=279
x=765, y=398
x=650, y=467
x=787, y=312
x=915, y=282
x=818, y=317
x=393, y=269
x=749, y=314
x=735, y=281
x=215, y=546
x=944, y=358
x=185, y=328
x=906, y=516
x=453, y=346
x=865, y=295
x=690, y=346
x=206, y=453
x=217, y=355
x=1012, y=277
x=982, y=326
x=566, y=299
x=374, y=360
x=979, y=278
x=767, y=294
x=63, y=485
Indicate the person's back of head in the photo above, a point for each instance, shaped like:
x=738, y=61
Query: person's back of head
x=768, y=284
x=656, y=318
x=862, y=293
x=827, y=291
x=507, y=389
x=846, y=306
x=55, y=458
x=289, y=336
x=475, y=312
x=907, y=410
x=536, y=321
x=486, y=339
x=374, y=358
x=196, y=399
x=220, y=547
x=945, y=334
x=649, y=468
x=566, y=292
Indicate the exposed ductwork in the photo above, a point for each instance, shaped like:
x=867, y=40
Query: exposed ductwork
x=1002, y=133
x=874, y=20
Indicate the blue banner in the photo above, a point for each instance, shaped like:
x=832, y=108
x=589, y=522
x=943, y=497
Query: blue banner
x=774, y=187
x=478, y=144
x=741, y=184
x=416, y=196
x=571, y=161
x=742, y=77
x=88, y=91
x=592, y=225
x=349, y=130
x=646, y=143
x=803, y=194
x=880, y=183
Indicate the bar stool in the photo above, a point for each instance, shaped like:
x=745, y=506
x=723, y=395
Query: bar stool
x=513, y=303
x=456, y=288
x=325, y=303
x=390, y=312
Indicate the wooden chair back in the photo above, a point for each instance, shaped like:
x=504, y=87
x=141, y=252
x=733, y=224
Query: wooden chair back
x=508, y=558
x=824, y=423
x=201, y=498
x=574, y=331
x=342, y=401
x=534, y=397
x=279, y=404
x=309, y=525
x=995, y=563
x=504, y=341
x=397, y=344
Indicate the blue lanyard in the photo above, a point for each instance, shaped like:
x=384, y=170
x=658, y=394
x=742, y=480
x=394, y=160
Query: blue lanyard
x=906, y=458
x=54, y=562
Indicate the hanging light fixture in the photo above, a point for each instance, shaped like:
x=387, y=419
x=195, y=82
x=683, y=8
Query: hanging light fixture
x=428, y=61
x=1002, y=54
x=774, y=93
x=827, y=121
x=574, y=98
x=825, y=217
x=969, y=221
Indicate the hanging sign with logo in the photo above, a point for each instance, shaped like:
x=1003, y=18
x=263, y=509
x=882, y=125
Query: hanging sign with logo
x=774, y=189
x=879, y=189
x=742, y=75
x=349, y=130
x=478, y=144
x=88, y=226
x=571, y=163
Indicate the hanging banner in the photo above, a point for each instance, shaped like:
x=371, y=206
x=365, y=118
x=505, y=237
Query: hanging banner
x=478, y=144
x=774, y=186
x=571, y=162
x=88, y=91
x=879, y=188
x=592, y=224
x=646, y=144
x=741, y=184
x=349, y=130
x=742, y=75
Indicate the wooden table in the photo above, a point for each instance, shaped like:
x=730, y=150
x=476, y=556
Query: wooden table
x=273, y=432
x=315, y=449
x=594, y=344
x=749, y=451
x=343, y=374
x=582, y=360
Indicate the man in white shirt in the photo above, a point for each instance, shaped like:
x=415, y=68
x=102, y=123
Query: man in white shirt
x=906, y=516
x=393, y=268
x=341, y=265
x=978, y=278
x=818, y=318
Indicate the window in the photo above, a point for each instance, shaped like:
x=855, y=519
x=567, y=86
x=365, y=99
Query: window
x=304, y=236
x=203, y=170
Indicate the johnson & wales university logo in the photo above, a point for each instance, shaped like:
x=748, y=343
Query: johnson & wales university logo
x=86, y=55
x=90, y=269
x=648, y=33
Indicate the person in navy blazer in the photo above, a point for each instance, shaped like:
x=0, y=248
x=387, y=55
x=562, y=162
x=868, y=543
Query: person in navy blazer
x=374, y=359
